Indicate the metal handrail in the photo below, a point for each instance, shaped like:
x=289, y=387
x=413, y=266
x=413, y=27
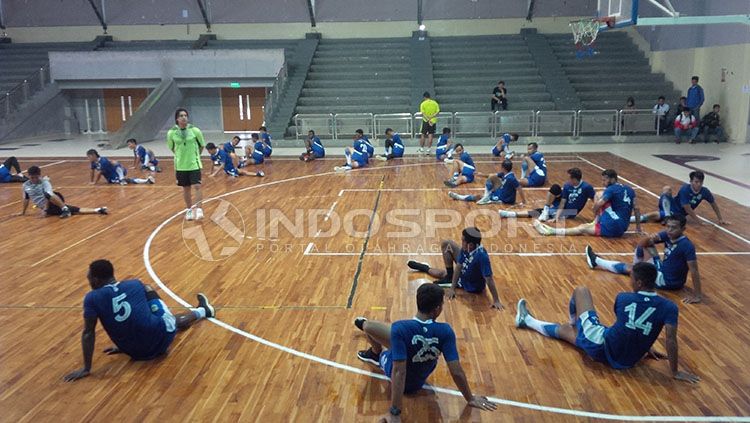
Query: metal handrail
x=379, y=128
x=272, y=99
x=301, y=133
x=612, y=127
x=16, y=96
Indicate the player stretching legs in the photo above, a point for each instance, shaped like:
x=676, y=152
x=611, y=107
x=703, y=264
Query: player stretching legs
x=40, y=191
x=5, y=175
x=408, y=351
x=133, y=315
x=221, y=159
x=679, y=257
x=641, y=314
x=693, y=193
x=668, y=206
x=474, y=268
x=313, y=148
x=500, y=188
x=538, y=165
x=463, y=168
x=503, y=146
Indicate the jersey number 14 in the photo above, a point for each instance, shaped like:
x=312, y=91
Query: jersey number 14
x=639, y=323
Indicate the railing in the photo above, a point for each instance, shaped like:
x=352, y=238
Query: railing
x=274, y=94
x=487, y=124
x=12, y=100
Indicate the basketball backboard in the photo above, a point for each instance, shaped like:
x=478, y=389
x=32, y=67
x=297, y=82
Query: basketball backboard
x=625, y=12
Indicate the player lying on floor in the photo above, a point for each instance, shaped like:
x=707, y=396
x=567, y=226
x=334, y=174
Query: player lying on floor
x=52, y=203
x=112, y=171
x=220, y=159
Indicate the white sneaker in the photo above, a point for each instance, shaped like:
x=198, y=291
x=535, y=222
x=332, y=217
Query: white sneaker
x=260, y=174
x=453, y=195
x=151, y=179
x=544, y=216
x=447, y=160
x=342, y=168
x=510, y=155
x=189, y=214
x=421, y=150
x=381, y=158
x=429, y=151
x=198, y=213
x=484, y=200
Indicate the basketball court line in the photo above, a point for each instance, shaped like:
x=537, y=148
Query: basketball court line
x=364, y=247
x=311, y=246
x=723, y=229
x=351, y=369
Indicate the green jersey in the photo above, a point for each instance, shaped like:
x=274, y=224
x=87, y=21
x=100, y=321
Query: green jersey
x=186, y=144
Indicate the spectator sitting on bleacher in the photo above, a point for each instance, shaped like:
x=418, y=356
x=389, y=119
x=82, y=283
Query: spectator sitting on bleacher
x=499, y=97
x=711, y=125
x=627, y=112
x=661, y=110
x=685, y=125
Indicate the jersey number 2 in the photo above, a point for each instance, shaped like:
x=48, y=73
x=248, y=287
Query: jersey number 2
x=120, y=305
x=640, y=322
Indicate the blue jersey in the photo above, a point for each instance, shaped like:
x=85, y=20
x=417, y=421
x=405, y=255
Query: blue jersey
x=669, y=206
x=618, y=202
x=466, y=158
x=107, y=169
x=128, y=319
x=475, y=266
x=687, y=196
x=317, y=147
x=267, y=147
x=398, y=143
x=361, y=146
x=259, y=151
x=505, y=146
x=507, y=191
x=266, y=138
x=420, y=344
x=368, y=145
x=538, y=159
x=640, y=317
x=4, y=174
x=576, y=197
x=224, y=158
x=677, y=254
x=144, y=155
x=443, y=142
x=229, y=147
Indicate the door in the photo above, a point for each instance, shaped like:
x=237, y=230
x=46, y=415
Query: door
x=242, y=108
x=120, y=104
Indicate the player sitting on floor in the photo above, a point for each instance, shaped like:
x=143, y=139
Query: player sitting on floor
x=112, y=170
x=253, y=152
x=551, y=206
x=225, y=161
x=313, y=148
x=230, y=147
x=612, y=212
x=5, y=168
x=444, y=149
x=394, y=146
x=135, y=318
x=473, y=272
x=500, y=188
x=503, y=146
x=408, y=351
x=356, y=155
x=693, y=193
x=575, y=195
x=668, y=206
x=39, y=191
x=463, y=169
x=365, y=143
x=265, y=137
x=143, y=158
x=679, y=257
x=640, y=315
x=534, y=160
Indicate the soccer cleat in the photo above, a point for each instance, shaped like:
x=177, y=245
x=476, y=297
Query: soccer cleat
x=485, y=200
x=189, y=214
x=521, y=313
x=65, y=213
x=450, y=183
x=590, y=257
x=204, y=304
x=381, y=158
x=102, y=210
x=151, y=180
x=418, y=266
x=542, y=228
x=260, y=174
x=198, y=213
x=369, y=356
x=454, y=195
x=359, y=322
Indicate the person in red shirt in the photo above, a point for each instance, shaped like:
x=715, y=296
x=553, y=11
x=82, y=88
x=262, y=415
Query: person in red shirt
x=685, y=125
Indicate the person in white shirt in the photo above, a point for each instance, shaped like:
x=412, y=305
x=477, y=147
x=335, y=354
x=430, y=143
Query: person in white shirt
x=661, y=110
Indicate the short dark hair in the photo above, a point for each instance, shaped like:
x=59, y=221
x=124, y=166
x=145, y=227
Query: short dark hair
x=610, y=173
x=535, y=145
x=645, y=273
x=360, y=132
x=211, y=146
x=237, y=137
x=34, y=171
x=697, y=174
x=683, y=98
x=254, y=136
x=387, y=130
x=446, y=130
x=132, y=140
x=101, y=270
x=311, y=132
x=555, y=190
x=686, y=109
x=429, y=297
x=473, y=235
x=715, y=105
x=575, y=173
x=681, y=219
x=500, y=82
x=661, y=97
x=92, y=152
x=507, y=165
x=458, y=145
x=514, y=136
x=177, y=113
x=695, y=78
x=262, y=128
x=426, y=94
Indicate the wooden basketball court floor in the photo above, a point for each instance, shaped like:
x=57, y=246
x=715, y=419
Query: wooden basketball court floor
x=283, y=347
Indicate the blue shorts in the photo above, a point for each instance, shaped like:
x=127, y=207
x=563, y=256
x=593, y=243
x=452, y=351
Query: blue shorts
x=267, y=152
x=536, y=178
x=386, y=364
x=360, y=158
x=318, y=154
x=496, y=152
x=258, y=157
x=159, y=309
x=232, y=172
x=439, y=151
x=468, y=172
x=398, y=151
x=611, y=228
x=590, y=337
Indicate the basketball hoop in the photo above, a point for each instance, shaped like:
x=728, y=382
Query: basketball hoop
x=585, y=32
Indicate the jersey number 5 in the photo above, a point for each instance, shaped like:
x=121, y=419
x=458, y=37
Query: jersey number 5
x=640, y=322
x=120, y=305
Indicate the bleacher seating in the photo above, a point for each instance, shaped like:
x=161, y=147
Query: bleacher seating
x=19, y=61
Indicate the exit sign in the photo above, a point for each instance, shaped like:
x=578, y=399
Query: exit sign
x=234, y=84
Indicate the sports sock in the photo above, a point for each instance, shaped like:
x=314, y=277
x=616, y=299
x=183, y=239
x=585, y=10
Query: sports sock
x=199, y=312
x=449, y=272
x=524, y=168
x=508, y=213
x=422, y=267
x=638, y=255
x=455, y=175
x=545, y=328
x=348, y=159
x=644, y=219
x=612, y=266
x=471, y=198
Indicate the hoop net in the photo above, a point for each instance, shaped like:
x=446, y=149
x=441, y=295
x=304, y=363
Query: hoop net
x=585, y=32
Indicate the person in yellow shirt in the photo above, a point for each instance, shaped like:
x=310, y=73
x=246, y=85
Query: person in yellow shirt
x=430, y=110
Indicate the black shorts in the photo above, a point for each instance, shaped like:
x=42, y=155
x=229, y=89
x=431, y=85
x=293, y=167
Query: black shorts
x=53, y=210
x=428, y=128
x=186, y=178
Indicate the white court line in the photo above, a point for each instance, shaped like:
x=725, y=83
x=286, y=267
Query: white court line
x=328, y=215
x=351, y=369
x=434, y=189
x=308, y=252
x=740, y=237
x=55, y=163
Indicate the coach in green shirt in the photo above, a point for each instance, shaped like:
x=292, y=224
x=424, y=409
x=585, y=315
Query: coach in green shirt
x=429, y=109
x=187, y=143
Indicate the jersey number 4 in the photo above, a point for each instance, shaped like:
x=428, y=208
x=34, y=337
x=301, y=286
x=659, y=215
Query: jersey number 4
x=639, y=323
x=121, y=308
